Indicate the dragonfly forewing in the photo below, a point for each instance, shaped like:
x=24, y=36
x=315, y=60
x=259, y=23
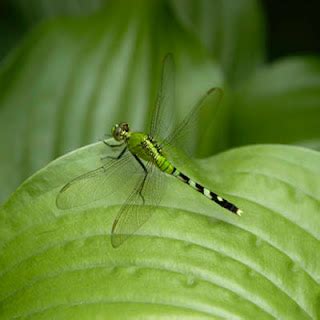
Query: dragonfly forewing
x=139, y=206
x=114, y=177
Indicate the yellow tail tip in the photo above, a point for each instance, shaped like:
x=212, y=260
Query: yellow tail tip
x=239, y=211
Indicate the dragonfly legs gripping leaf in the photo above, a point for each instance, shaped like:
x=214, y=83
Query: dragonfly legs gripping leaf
x=113, y=145
x=135, y=156
x=144, y=178
x=118, y=156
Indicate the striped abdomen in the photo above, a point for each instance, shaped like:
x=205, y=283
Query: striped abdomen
x=154, y=152
x=207, y=193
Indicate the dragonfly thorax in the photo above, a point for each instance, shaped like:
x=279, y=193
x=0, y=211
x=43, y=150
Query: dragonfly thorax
x=120, y=131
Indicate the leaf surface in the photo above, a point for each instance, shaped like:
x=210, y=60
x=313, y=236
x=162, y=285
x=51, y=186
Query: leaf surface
x=191, y=259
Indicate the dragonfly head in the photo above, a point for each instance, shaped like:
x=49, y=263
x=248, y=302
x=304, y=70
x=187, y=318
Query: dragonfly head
x=120, y=131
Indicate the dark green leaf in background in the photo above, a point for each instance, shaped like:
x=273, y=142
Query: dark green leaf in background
x=11, y=29
x=280, y=103
x=72, y=79
x=232, y=31
x=36, y=10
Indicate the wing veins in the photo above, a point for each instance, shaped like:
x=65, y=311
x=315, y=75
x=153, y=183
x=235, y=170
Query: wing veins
x=105, y=172
x=190, y=121
x=132, y=214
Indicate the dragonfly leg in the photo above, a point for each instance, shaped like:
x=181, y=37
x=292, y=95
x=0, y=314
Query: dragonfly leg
x=112, y=145
x=117, y=157
x=144, y=178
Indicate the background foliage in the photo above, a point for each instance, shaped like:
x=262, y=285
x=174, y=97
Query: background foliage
x=81, y=66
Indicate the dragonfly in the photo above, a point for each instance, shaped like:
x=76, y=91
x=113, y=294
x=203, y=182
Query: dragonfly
x=142, y=163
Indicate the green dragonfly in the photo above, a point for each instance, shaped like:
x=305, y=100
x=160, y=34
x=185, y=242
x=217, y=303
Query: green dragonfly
x=140, y=168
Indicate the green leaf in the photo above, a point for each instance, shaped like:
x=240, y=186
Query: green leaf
x=281, y=104
x=232, y=31
x=35, y=10
x=73, y=78
x=20, y=16
x=191, y=260
x=11, y=30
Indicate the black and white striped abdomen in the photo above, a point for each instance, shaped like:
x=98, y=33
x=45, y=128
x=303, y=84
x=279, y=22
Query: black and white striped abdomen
x=207, y=193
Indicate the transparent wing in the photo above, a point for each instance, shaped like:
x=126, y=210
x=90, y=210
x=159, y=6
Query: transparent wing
x=192, y=122
x=162, y=123
x=162, y=120
x=100, y=183
x=135, y=212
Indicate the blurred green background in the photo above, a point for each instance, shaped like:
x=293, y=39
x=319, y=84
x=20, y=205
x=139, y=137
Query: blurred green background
x=291, y=29
x=58, y=57
x=70, y=69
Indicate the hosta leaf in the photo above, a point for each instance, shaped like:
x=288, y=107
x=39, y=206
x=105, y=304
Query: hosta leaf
x=73, y=78
x=35, y=10
x=280, y=103
x=232, y=31
x=190, y=260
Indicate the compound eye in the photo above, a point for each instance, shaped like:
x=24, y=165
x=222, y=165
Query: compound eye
x=125, y=127
x=118, y=133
